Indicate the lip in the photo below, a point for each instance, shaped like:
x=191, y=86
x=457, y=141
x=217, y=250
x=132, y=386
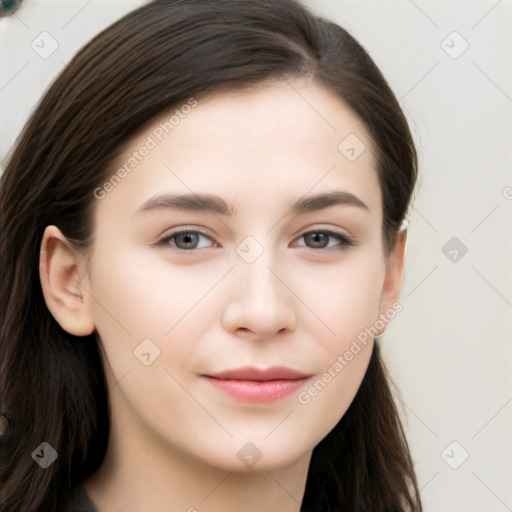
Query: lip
x=257, y=385
x=260, y=374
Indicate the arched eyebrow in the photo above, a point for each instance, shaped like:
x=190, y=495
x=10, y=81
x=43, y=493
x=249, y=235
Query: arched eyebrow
x=324, y=200
x=214, y=204
x=188, y=202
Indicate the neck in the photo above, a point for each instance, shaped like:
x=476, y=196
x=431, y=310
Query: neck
x=148, y=474
x=144, y=482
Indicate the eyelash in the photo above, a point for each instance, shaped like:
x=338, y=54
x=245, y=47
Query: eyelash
x=345, y=242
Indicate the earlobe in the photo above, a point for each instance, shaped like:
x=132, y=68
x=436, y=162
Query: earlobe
x=62, y=275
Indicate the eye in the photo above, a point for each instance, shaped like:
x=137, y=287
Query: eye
x=322, y=240
x=185, y=241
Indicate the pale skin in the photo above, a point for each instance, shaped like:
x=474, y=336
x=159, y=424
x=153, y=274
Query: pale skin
x=174, y=438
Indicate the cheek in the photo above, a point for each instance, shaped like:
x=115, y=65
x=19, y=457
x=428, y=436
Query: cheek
x=140, y=297
x=347, y=300
x=329, y=396
x=345, y=297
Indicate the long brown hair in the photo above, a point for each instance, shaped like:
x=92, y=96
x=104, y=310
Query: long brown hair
x=52, y=384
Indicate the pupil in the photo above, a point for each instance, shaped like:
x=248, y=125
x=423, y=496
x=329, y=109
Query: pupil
x=320, y=239
x=189, y=238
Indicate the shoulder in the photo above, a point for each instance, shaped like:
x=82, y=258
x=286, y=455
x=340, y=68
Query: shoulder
x=77, y=500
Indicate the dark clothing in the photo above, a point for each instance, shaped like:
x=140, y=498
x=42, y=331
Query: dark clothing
x=79, y=501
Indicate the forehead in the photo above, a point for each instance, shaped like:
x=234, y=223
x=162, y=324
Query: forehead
x=272, y=141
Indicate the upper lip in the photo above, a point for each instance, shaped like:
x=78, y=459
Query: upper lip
x=260, y=374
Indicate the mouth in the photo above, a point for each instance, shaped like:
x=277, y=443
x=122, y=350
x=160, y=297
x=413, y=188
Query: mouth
x=255, y=385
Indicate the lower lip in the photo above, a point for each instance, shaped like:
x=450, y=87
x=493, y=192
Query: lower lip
x=262, y=392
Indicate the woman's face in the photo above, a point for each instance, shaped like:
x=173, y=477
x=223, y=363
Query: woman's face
x=227, y=315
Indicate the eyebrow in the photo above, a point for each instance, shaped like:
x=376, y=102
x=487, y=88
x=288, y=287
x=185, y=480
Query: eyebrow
x=214, y=204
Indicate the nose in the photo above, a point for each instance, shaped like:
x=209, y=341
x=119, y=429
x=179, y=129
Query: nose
x=260, y=303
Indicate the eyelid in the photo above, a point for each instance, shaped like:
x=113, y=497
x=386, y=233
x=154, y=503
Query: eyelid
x=345, y=241
x=165, y=239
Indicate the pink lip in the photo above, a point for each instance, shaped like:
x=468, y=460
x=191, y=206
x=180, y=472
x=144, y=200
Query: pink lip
x=256, y=385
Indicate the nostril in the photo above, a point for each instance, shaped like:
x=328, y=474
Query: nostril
x=8, y=7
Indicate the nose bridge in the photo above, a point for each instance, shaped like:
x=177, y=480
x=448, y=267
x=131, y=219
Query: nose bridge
x=260, y=301
x=255, y=260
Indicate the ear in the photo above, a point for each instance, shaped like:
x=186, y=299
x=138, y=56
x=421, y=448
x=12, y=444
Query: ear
x=394, y=277
x=62, y=273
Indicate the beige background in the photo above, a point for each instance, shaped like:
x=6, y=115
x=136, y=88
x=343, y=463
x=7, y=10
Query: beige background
x=449, y=351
